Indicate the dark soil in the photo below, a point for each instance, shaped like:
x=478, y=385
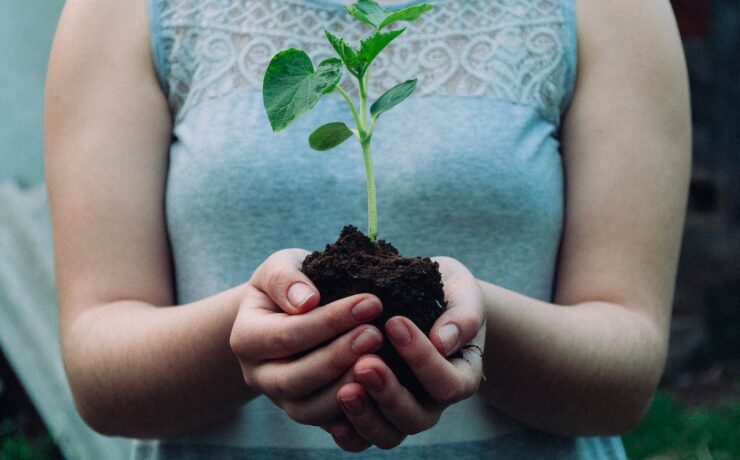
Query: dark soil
x=410, y=287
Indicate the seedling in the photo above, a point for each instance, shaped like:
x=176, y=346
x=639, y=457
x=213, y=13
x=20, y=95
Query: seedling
x=292, y=87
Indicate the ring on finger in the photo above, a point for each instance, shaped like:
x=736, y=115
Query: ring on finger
x=477, y=350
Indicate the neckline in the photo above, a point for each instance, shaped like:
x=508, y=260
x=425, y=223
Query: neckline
x=397, y=5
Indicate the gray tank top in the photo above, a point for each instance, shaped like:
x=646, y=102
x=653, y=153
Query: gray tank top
x=468, y=167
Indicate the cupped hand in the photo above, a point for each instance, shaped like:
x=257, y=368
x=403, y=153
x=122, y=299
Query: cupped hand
x=379, y=410
x=295, y=354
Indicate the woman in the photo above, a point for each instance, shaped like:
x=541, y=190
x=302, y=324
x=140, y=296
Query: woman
x=547, y=153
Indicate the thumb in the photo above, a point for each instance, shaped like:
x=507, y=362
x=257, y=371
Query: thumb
x=463, y=321
x=281, y=278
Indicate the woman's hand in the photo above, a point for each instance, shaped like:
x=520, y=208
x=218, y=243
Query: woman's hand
x=448, y=364
x=298, y=355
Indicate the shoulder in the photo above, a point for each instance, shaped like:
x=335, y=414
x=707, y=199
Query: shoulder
x=106, y=13
x=645, y=31
x=630, y=57
x=97, y=28
x=98, y=42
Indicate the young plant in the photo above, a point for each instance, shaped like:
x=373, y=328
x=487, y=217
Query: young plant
x=292, y=87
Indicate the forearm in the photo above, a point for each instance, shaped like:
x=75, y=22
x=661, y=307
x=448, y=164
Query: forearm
x=589, y=368
x=143, y=371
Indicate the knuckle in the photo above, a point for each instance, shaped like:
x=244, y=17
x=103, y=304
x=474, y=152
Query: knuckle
x=251, y=380
x=337, y=363
x=269, y=382
x=240, y=345
x=471, y=324
x=260, y=271
x=236, y=344
x=474, y=317
x=336, y=320
x=275, y=279
x=419, y=359
x=278, y=387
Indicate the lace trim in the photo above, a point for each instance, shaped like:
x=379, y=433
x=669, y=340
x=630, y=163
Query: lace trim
x=512, y=50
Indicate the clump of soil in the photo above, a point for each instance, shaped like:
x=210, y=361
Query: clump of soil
x=410, y=287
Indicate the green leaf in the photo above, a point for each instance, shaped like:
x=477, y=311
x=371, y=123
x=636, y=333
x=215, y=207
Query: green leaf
x=368, y=12
x=329, y=136
x=392, y=97
x=411, y=13
x=374, y=44
x=291, y=87
x=349, y=56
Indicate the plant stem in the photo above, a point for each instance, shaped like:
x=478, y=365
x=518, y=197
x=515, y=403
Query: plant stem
x=363, y=103
x=365, y=138
x=346, y=97
x=372, y=127
x=372, y=204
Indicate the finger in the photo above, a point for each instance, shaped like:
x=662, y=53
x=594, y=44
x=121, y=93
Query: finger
x=346, y=437
x=392, y=399
x=281, y=278
x=367, y=421
x=318, y=408
x=464, y=318
x=446, y=382
x=297, y=378
x=259, y=333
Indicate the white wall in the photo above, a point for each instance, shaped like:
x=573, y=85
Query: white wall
x=26, y=31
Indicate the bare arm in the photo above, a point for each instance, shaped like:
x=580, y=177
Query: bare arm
x=589, y=363
x=135, y=369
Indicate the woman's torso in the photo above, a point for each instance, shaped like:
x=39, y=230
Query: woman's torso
x=468, y=167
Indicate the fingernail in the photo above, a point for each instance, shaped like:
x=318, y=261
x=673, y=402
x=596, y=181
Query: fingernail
x=299, y=293
x=449, y=334
x=367, y=341
x=398, y=332
x=370, y=379
x=366, y=309
x=353, y=405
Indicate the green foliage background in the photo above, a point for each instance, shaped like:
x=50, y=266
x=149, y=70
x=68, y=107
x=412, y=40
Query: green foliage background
x=670, y=430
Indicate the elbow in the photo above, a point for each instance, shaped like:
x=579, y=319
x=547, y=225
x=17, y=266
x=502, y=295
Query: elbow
x=95, y=408
x=629, y=413
x=612, y=413
x=91, y=395
x=113, y=417
x=626, y=417
x=99, y=404
x=617, y=401
x=633, y=388
x=627, y=405
x=96, y=418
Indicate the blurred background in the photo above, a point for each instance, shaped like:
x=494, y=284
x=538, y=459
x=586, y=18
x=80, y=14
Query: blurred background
x=696, y=413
